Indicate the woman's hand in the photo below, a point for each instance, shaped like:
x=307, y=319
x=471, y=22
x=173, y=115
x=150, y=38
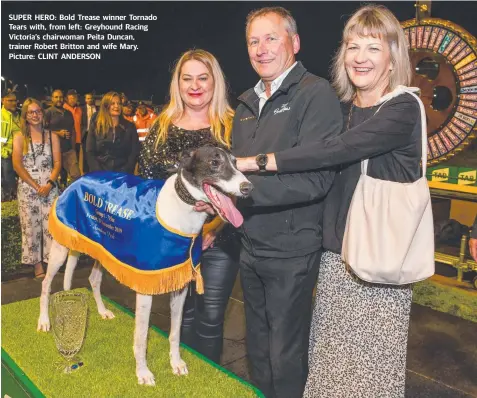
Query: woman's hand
x=203, y=206
x=44, y=190
x=208, y=240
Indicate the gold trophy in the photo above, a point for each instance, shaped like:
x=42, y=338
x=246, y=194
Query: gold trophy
x=68, y=312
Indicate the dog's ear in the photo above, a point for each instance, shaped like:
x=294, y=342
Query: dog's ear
x=187, y=160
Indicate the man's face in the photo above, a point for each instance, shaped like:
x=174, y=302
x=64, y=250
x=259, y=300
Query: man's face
x=142, y=110
x=127, y=110
x=57, y=99
x=270, y=47
x=10, y=103
x=88, y=98
x=72, y=100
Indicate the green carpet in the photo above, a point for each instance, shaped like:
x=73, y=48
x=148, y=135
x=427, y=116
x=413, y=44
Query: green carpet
x=109, y=365
x=445, y=298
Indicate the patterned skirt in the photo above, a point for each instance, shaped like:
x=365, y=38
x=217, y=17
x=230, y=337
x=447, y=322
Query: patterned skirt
x=358, y=339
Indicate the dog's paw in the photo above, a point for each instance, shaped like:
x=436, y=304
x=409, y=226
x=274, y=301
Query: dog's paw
x=145, y=377
x=43, y=324
x=106, y=314
x=179, y=367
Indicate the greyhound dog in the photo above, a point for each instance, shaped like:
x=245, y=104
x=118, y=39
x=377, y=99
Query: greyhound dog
x=208, y=174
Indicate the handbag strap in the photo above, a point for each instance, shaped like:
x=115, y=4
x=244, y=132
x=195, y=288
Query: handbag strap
x=364, y=162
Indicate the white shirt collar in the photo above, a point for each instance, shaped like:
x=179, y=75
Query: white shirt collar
x=260, y=86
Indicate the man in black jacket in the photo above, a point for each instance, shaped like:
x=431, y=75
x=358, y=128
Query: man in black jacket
x=282, y=231
x=89, y=109
x=60, y=121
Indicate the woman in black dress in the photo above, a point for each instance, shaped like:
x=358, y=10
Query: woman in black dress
x=198, y=114
x=112, y=143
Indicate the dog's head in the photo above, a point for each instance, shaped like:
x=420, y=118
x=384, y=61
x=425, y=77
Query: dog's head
x=212, y=173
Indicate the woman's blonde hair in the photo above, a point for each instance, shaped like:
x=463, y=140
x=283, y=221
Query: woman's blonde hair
x=25, y=125
x=220, y=112
x=104, y=121
x=375, y=21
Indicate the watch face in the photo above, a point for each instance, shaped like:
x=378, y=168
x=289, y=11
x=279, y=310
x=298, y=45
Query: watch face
x=262, y=160
x=444, y=60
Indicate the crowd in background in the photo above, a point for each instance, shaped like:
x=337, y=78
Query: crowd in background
x=48, y=144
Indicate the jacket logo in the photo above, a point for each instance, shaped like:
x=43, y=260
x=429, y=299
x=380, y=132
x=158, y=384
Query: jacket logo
x=282, y=109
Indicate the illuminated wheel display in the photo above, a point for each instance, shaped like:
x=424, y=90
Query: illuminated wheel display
x=444, y=60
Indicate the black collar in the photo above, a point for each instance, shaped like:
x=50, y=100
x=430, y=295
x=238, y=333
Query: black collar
x=183, y=193
x=250, y=97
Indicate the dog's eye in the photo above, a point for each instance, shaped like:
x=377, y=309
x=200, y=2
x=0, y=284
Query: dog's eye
x=214, y=163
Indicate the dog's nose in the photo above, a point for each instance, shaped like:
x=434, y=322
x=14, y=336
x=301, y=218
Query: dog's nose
x=246, y=188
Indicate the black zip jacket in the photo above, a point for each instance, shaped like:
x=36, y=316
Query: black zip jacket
x=283, y=217
x=57, y=119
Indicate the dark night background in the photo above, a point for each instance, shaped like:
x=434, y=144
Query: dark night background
x=216, y=27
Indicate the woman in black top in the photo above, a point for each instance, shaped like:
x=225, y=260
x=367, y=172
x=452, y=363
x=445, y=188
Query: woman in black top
x=112, y=143
x=198, y=114
x=359, y=331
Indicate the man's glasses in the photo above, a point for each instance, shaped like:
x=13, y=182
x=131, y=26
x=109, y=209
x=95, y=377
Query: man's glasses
x=31, y=113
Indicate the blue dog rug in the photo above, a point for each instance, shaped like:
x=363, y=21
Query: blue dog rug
x=113, y=218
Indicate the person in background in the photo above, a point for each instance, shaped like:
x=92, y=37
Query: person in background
x=10, y=124
x=358, y=340
x=143, y=120
x=37, y=161
x=88, y=110
x=60, y=121
x=473, y=240
x=124, y=99
x=198, y=114
x=72, y=105
x=128, y=111
x=112, y=142
x=282, y=229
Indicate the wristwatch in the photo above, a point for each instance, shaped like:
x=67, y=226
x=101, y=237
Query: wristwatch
x=261, y=160
x=53, y=184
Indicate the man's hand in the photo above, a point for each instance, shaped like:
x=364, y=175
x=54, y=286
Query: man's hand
x=203, y=206
x=250, y=164
x=247, y=164
x=63, y=134
x=44, y=190
x=473, y=248
x=208, y=240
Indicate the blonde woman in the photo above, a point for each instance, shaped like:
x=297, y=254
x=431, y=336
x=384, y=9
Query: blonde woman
x=37, y=161
x=197, y=114
x=112, y=143
x=358, y=340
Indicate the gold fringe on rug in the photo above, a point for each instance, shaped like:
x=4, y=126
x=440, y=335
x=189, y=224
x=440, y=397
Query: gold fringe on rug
x=143, y=282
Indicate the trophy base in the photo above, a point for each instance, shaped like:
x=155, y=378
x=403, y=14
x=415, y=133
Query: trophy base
x=70, y=365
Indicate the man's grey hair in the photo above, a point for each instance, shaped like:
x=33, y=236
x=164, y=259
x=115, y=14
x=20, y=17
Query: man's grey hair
x=282, y=12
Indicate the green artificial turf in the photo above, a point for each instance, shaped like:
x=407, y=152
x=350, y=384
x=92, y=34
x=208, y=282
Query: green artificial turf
x=109, y=365
x=444, y=298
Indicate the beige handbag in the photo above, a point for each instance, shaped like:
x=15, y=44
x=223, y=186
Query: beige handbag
x=389, y=234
